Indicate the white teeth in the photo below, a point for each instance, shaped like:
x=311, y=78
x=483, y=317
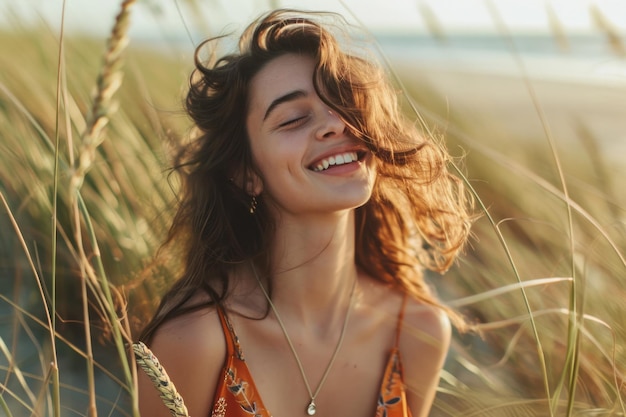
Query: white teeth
x=340, y=159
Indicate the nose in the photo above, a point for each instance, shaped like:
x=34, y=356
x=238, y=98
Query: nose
x=330, y=125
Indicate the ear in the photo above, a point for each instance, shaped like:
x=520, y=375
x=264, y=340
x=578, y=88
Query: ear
x=253, y=184
x=249, y=181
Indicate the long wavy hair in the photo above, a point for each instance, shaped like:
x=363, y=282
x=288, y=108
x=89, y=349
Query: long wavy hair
x=417, y=218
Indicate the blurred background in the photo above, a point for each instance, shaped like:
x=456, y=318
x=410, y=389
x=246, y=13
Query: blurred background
x=530, y=96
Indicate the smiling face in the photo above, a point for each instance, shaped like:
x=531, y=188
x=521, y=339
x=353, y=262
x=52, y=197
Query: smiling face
x=307, y=159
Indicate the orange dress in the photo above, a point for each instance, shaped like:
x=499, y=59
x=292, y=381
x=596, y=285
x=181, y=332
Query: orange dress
x=237, y=396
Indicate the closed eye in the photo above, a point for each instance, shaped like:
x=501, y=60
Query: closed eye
x=293, y=122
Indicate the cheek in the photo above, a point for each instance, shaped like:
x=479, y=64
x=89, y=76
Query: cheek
x=277, y=154
x=266, y=165
x=281, y=174
x=276, y=167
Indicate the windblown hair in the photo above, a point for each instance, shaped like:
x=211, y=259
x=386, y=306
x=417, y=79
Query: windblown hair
x=418, y=216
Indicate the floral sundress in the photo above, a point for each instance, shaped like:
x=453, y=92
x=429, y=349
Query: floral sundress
x=237, y=396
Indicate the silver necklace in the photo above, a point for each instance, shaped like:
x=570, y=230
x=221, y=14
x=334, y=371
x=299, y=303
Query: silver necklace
x=311, y=408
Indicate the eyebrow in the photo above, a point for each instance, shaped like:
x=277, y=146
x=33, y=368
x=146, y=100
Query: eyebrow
x=283, y=99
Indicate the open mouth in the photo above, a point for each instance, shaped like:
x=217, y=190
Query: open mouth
x=337, y=160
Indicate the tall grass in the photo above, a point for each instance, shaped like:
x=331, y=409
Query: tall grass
x=54, y=179
x=85, y=203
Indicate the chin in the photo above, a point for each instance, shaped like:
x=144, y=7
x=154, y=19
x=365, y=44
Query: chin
x=348, y=202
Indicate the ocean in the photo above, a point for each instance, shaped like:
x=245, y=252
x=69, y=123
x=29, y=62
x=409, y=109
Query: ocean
x=589, y=59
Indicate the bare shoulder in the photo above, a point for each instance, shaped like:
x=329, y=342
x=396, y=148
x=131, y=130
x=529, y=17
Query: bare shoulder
x=196, y=332
x=192, y=350
x=424, y=343
x=422, y=323
x=426, y=325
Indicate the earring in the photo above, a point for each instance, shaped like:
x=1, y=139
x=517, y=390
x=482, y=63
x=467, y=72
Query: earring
x=253, y=204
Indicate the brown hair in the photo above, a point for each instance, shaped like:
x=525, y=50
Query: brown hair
x=418, y=216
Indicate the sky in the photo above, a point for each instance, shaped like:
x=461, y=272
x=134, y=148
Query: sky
x=406, y=16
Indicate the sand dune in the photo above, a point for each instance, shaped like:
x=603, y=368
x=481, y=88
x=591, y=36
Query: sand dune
x=501, y=102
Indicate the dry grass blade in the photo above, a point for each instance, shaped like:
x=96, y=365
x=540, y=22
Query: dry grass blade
x=487, y=295
x=16, y=371
x=558, y=31
x=104, y=368
x=34, y=270
x=613, y=36
x=157, y=374
x=109, y=81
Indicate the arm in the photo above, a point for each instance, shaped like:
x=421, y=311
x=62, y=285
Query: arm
x=192, y=350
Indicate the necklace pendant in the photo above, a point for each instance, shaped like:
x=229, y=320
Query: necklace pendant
x=310, y=410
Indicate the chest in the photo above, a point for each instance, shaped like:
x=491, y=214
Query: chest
x=350, y=387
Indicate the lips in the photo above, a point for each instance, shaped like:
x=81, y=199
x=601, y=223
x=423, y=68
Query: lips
x=340, y=158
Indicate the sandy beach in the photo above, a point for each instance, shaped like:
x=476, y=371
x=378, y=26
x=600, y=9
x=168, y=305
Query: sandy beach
x=503, y=104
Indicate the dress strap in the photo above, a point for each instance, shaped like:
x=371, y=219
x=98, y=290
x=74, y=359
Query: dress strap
x=232, y=341
x=400, y=320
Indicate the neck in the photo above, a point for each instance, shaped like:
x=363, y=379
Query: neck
x=313, y=268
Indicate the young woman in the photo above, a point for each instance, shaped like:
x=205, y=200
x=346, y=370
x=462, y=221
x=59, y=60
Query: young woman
x=309, y=209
